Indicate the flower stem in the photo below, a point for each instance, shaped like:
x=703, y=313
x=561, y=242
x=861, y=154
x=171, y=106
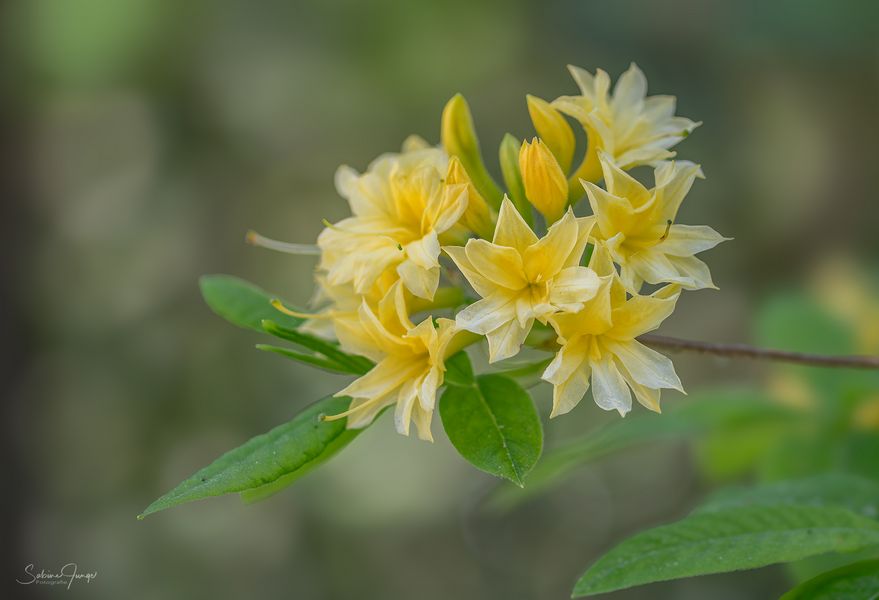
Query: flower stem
x=753, y=352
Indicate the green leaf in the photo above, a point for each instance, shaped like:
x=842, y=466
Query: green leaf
x=732, y=539
x=494, y=425
x=268, y=461
x=242, y=303
x=309, y=359
x=856, y=494
x=356, y=365
x=702, y=412
x=459, y=371
x=859, y=581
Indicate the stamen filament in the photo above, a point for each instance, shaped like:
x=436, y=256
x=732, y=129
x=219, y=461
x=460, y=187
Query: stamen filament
x=255, y=239
x=279, y=306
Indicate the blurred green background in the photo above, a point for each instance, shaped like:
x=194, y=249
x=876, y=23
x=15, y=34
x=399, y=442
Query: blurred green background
x=142, y=138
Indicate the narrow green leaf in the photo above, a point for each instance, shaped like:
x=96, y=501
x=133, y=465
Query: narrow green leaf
x=857, y=494
x=357, y=365
x=701, y=413
x=508, y=153
x=242, y=303
x=280, y=456
x=744, y=537
x=459, y=371
x=309, y=359
x=859, y=581
x=493, y=424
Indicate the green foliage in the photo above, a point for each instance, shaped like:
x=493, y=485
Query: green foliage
x=728, y=539
x=309, y=359
x=459, y=371
x=493, y=424
x=857, y=494
x=268, y=462
x=342, y=361
x=242, y=303
x=859, y=581
x=745, y=529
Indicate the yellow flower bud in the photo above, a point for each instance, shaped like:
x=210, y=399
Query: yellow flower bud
x=477, y=218
x=545, y=183
x=553, y=129
x=459, y=139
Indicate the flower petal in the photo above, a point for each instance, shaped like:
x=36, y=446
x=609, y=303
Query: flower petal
x=609, y=389
x=572, y=287
x=543, y=260
x=687, y=240
x=505, y=341
x=487, y=314
x=639, y=315
x=418, y=280
x=502, y=265
x=630, y=90
x=693, y=270
x=646, y=366
x=612, y=213
x=511, y=229
x=483, y=286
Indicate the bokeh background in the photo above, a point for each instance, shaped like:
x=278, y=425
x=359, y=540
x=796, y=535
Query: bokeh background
x=142, y=138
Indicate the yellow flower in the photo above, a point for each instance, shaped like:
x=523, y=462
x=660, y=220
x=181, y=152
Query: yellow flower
x=334, y=302
x=401, y=209
x=546, y=186
x=553, y=129
x=478, y=216
x=599, y=343
x=410, y=363
x=521, y=278
x=637, y=226
x=630, y=127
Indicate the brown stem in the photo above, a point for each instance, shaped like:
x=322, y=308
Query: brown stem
x=745, y=351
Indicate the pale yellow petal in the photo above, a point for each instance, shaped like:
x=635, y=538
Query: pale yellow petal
x=646, y=366
x=505, y=341
x=511, y=229
x=418, y=280
x=687, y=240
x=502, y=265
x=653, y=266
x=543, y=260
x=383, y=379
x=405, y=402
x=621, y=184
x=483, y=286
x=630, y=90
x=639, y=315
x=693, y=270
x=609, y=389
x=612, y=213
x=487, y=314
x=572, y=287
x=567, y=394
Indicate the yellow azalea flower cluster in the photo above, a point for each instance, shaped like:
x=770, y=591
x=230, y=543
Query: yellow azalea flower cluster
x=429, y=215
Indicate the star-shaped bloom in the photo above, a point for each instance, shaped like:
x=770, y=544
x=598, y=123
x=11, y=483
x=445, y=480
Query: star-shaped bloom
x=402, y=208
x=410, y=363
x=599, y=343
x=630, y=127
x=638, y=227
x=521, y=278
